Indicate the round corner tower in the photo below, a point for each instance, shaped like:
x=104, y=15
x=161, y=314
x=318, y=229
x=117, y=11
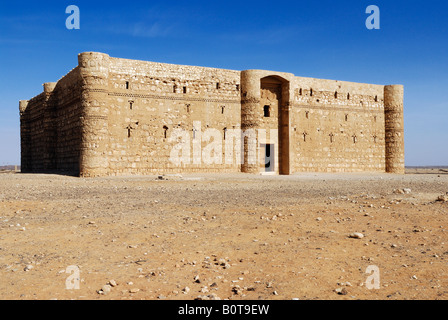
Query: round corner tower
x=394, y=128
x=250, y=103
x=94, y=71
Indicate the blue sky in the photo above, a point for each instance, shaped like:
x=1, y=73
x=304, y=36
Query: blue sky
x=322, y=39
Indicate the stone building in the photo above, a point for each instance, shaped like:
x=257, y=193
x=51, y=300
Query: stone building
x=111, y=116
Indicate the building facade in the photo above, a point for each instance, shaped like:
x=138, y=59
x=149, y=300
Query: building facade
x=112, y=116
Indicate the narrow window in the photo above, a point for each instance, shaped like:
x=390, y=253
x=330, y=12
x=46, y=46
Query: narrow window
x=346, y=117
x=374, y=138
x=225, y=131
x=376, y=98
x=354, y=138
x=237, y=87
x=174, y=89
x=131, y=104
x=222, y=109
x=307, y=114
x=185, y=89
x=267, y=112
x=304, y=136
x=311, y=92
x=331, y=137
x=335, y=94
x=165, y=131
x=374, y=118
x=300, y=91
x=218, y=86
x=127, y=85
x=348, y=96
x=188, y=108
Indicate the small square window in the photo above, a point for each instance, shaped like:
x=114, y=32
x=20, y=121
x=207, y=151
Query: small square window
x=267, y=111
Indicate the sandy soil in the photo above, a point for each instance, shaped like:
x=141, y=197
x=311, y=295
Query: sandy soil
x=232, y=236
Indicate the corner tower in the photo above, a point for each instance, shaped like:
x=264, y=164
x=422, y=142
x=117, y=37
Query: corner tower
x=94, y=71
x=394, y=128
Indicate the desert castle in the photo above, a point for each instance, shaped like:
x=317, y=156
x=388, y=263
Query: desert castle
x=112, y=116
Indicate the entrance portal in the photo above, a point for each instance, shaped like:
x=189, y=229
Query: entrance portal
x=269, y=157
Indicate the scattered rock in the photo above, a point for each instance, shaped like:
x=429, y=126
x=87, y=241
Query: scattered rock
x=356, y=235
x=211, y=296
x=443, y=198
x=113, y=283
x=105, y=289
x=237, y=290
x=341, y=291
x=186, y=290
x=345, y=284
x=28, y=267
x=402, y=191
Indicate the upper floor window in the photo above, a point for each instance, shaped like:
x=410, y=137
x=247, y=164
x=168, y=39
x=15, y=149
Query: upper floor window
x=267, y=111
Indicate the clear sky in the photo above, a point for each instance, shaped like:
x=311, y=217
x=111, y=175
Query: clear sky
x=322, y=39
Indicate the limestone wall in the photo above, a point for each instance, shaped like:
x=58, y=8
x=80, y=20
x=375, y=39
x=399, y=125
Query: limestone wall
x=337, y=126
x=50, y=127
x=137, y=105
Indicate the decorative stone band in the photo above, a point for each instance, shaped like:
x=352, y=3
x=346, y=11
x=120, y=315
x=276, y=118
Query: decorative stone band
x=338, y=108
x=93, y=117
x=187, y=98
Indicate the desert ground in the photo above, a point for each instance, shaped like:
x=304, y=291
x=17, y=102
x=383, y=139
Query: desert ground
x=225, y=236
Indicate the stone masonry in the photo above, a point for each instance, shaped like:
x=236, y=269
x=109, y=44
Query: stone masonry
x=111, y=116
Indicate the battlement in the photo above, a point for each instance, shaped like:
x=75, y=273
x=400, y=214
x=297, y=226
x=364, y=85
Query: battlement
x=112, y=116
